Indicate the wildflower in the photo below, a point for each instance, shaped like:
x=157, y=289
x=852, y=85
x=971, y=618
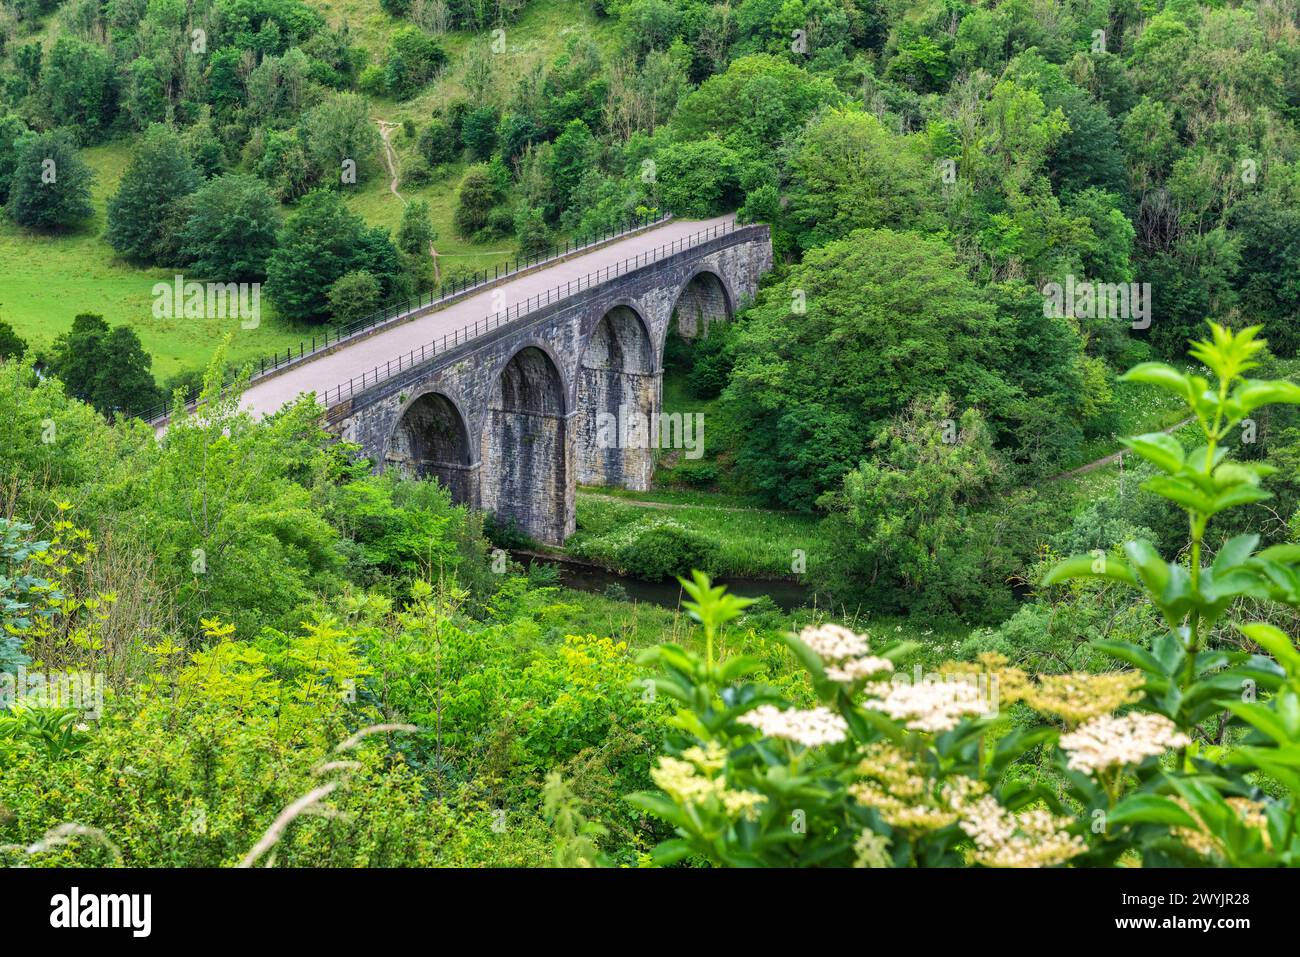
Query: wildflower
x=1080, y=696
x=858, y=668
x=810, y=728
x=992, y=669
x=682, y=782
x=872, y=850
x=1202, y=838
x=899, y=790
x=1131, y=738
x=844, y=653
x=679, y=780
x=1033, y=838
x=741, y=803
x=712, y=757
x=927, y=706
x=834, y=642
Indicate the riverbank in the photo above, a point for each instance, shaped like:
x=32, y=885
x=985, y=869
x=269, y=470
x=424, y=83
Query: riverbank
x=752, y=543
x=587, y=576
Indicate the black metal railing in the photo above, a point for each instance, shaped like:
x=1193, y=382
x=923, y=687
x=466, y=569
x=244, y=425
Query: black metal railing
x=333, y=396
x=406, y=308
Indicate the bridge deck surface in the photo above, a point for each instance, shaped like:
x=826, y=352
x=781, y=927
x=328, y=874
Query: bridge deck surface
x=335, y=368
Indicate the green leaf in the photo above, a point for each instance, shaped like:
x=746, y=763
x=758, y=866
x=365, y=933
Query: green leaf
x=1134, y=655
x=1161, y=375
x=1084, y=566
x=1237, y=495
x=670, y=852
x=1160, y=449
x=1200, y=459
x=1284, y=554
x=1275, y=641
x=1150, y=809
x=811, y=661
x=1234, y=552
x=658, y=806
x=669, y=687
x=734, y=668
x=1179, y=491
x=1261, y=718
x=1152, y=569
x=1253, y=393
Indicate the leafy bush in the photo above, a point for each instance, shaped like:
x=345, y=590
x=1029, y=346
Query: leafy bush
x=106, y=367
x=664, y=550
x=353, y=296
x=711, y=361
x=416, y=172
x=191, y=768
x=11, y=344
x=475, y=199
x=60, y=204
x=505, y=532
x=438, y=143
x=1186, y=757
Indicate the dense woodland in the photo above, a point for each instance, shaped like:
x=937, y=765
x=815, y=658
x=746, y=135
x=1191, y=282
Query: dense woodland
x=897, y=422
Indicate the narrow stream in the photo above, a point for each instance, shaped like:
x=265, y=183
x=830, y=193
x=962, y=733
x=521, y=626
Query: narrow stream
x=580, y=576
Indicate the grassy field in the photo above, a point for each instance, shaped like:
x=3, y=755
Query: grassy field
x=49, y=279
x=642, y=625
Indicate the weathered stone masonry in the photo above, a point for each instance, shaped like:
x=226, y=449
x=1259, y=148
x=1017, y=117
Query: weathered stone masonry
x=508, y=421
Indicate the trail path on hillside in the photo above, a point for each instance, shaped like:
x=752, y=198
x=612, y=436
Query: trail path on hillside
x=1113, y=457
x=386, y=128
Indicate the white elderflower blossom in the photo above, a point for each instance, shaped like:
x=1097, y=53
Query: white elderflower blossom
x=858, y=668
x=1131, y=738
x=872, y=850
x=682, y=781
x=1032, y=838
x=809, y=728
x=834, y=642
x=844, y=652
x=927, y=706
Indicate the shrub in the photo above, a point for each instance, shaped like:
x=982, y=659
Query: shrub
x=413, y=59
x=712, y=362
x=505, y=532
x=665, y=550
x=11, y=345
x=1187, y=756
x=159, y=175
x=107, y=368
x=36, y=202
x=438, y=143
x=232, y=228
x=416, y=172
x=474, y=201
x=353, y=296
x=500, y=223
x=373, y=80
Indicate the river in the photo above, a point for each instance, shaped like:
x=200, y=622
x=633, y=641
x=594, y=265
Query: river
x=583, y=576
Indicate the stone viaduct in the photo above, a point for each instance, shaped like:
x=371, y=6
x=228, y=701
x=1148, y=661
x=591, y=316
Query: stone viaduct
x=510, y=418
